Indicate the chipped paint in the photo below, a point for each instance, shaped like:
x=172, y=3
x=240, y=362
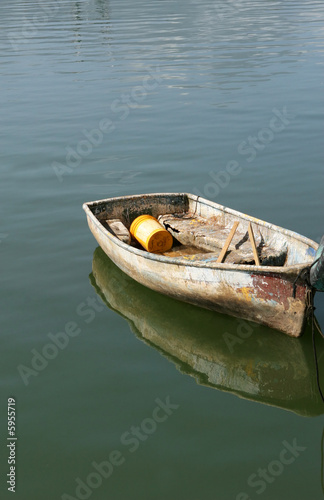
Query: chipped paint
x=311, y=252
x=258, y=293
x=247, y=293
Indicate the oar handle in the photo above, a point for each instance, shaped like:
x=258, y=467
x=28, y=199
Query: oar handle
x=254, y=248
x=227, y=243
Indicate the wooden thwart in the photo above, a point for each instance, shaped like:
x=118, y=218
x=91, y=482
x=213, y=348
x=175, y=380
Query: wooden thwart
x=227, y=243
x=255, y=252
x=119, y=230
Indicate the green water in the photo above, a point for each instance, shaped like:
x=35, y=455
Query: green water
x=143, y=397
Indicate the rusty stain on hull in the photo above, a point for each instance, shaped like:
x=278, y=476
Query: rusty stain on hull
x=258, y=293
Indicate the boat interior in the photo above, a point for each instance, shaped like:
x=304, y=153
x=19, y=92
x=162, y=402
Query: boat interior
x=198, y=235
x=201, y=230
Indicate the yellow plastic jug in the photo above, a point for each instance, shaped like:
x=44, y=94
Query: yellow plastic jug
x=151, y=234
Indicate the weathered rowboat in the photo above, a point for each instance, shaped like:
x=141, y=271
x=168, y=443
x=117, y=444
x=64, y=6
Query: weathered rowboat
x=267, y=293
x=229, y=354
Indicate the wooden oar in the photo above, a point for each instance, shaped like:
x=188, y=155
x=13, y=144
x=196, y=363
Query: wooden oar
x=255, y=252
x=227, y=243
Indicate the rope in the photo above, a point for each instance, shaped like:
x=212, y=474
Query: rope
x=316, y=361
x=315, y=326
x=322, y=461
x=304, y=275
x=180, y=215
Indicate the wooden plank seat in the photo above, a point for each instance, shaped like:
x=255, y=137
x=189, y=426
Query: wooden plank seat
x=202, y=239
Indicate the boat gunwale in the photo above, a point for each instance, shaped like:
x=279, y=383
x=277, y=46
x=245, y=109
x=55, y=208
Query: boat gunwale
x=292, y=269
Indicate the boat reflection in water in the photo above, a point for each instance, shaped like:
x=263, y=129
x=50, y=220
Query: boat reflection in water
x=222, y=352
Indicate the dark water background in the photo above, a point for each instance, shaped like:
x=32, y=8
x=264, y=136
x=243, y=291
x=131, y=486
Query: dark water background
x=105, y=98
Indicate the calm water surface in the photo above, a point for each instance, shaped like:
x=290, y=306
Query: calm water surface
x=106, y=98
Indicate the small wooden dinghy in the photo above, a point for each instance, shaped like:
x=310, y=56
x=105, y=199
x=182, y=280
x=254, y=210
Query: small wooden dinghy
x=229, y=354
x=192, y=271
